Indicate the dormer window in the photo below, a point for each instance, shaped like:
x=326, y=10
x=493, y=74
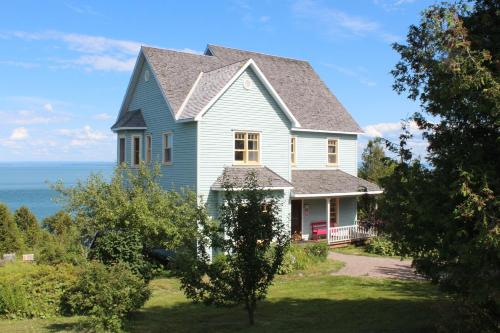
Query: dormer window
x=246, y=148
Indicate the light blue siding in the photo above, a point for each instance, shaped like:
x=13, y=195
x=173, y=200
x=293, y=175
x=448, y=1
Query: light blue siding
x=312, y=151
x=347, y=211
x=147, y=96
x=239, y=109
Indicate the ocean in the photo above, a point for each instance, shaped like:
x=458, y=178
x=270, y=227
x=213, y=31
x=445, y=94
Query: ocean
x=27, y=183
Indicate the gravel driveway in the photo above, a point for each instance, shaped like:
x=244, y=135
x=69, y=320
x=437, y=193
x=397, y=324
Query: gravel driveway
x=374, y=266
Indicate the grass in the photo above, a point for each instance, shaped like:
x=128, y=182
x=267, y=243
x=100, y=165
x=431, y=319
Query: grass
x=311, y=300
x=358, y=250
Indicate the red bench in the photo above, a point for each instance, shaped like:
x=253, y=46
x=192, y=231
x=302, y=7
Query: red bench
x=318, y=228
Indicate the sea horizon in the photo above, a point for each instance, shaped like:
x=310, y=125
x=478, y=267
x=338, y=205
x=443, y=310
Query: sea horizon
x=27, y=183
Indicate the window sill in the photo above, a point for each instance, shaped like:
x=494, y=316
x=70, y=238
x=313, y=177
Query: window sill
x=167, y=163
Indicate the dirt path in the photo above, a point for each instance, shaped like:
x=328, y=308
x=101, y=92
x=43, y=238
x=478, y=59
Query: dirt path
x=374, y=266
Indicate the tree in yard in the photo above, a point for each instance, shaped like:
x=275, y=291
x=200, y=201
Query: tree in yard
x=250, y=240
x=10, y=237
x=27, y=225
x=374, y=164
x=447, y=216
x=125, y=219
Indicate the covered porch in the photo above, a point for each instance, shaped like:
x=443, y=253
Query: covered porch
x=324, y=205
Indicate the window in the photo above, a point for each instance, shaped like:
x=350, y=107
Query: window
x=149, y=147
x=293, y=150
x=136, y=150
x=332, y=152
x=121, y=150
x=167, y=148
x=246, y=148
x=333, y=211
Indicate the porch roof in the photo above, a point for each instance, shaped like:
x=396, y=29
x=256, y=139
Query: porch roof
x=324, y=183
x=266, y=177
x=131, y=120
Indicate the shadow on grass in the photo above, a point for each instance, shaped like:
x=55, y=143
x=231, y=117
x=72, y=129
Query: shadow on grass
x=293, y=315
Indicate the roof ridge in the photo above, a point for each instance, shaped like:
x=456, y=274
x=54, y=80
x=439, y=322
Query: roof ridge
x=255, y=52
x=175, y=51
x=233, y=63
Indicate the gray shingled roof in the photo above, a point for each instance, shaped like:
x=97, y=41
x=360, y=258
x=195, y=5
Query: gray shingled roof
x=304, y=93
x=236, y=175
x=130, y=119
x=329, y=181
x=208, y=86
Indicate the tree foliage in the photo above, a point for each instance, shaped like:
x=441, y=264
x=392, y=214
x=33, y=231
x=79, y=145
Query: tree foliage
x=126, y=218
x=28, y=225
x=447, y=216
x=10, y=237
x=250, y=241
x=374, y=164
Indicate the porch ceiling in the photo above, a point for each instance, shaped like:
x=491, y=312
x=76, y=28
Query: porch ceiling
x=322, y=183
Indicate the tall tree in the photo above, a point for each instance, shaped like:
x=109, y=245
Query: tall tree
x=447, y=217
x=374, y=164
x=28, y=226
x=250, y=241
x=10, y=237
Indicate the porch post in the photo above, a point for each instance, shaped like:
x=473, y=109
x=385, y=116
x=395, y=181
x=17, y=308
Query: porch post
x=328, y=220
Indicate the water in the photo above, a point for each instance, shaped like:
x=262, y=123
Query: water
x=27, y=183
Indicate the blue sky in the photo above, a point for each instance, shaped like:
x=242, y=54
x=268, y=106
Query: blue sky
x=65, y=65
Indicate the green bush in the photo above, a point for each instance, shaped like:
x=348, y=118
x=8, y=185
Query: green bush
x=33, y=291
x=381, y=245
x=300, y=257
x=318, y=251
x=107, y=295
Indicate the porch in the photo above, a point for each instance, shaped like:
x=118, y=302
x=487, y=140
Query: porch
x=324, y=206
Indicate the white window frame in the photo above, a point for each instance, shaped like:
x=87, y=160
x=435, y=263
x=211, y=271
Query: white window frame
x=333, y=165
x=149, y=149
x=337, y=212
x=294, y=161
x=120, y=137
x=164, y=142
x=132, y=156
x=245, y=150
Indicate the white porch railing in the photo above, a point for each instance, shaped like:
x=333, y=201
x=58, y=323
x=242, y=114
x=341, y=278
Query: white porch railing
x=349, y=233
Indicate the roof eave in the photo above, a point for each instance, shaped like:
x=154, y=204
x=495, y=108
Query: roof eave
x=335, y=194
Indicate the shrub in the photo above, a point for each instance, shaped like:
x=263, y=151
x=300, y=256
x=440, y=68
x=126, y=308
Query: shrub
x=318, y=251
x=33, y=291
x=381, y=245
x=107, y=295
x=300, y=257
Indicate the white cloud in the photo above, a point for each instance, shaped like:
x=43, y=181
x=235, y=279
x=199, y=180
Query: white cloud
x=105, y=63
x=82, y=9
x=22, y=64
x=31, y=117
x=337, y=23
x=84, y=136
x=358, y=74
x=48, y=107
x=392, y=5
x=102, y=116
x=19, y=133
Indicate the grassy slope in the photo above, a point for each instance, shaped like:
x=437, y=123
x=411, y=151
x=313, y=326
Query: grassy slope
x=311, y=300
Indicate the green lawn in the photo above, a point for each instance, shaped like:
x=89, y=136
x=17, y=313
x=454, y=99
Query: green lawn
x=358, y=250
x=310, y=300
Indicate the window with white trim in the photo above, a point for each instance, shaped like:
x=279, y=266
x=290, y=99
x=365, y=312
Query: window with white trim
x=246, y=148
x=168, y=143
x=293, y=150
x=149, y=148
x=136, y=150
x=121, y=149
x=333, y=152
x=334, y=211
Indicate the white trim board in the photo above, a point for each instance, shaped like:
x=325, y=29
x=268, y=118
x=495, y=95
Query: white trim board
x=295, y=129
x=334, y=194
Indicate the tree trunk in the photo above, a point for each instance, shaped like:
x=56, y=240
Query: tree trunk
x=251, y=311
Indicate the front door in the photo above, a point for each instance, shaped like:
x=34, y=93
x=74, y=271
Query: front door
x=296, y=217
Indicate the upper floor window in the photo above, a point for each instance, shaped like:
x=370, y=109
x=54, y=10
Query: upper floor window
x=333, y=152
x=293, y=150
x=136, y=150
x=149, y=148
x=168, y=143
x=246, y=148
x=121, y=150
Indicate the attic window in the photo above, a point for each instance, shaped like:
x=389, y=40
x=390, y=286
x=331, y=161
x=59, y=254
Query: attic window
x=146, y=75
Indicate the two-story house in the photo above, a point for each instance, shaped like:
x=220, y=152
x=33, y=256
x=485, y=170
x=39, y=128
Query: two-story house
x=233, y=110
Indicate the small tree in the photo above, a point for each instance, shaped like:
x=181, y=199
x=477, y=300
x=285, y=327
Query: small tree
x=374, y=164
x=250, y=240
x=28, y=225
x=10, y=237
